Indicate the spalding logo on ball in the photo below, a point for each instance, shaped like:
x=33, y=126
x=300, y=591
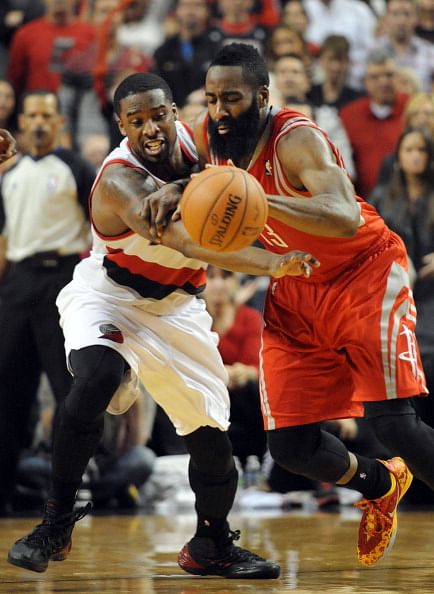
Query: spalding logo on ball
x=224, y=208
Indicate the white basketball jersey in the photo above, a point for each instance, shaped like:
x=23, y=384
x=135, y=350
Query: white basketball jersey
x=127, y=266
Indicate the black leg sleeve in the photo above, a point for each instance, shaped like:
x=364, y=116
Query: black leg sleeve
x=79, y=423
x=310, y=451
x=212, y=473
x=398, y=427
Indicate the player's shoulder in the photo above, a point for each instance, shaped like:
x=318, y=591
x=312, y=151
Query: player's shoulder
x=294, y=130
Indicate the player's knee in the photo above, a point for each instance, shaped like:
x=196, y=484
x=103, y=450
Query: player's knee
x=210, y=450
x=293, y=447
x=98, y=372
x=73, y=422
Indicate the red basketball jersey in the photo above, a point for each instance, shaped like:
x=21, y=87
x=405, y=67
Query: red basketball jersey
x=335, y=253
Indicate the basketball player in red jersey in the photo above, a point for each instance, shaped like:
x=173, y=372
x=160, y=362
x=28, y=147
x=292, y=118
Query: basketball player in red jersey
x=340, y=341
x=132, y=310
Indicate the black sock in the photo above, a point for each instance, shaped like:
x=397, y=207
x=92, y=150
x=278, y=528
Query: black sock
x=64, y=494
x=372, y=478
x=215, y=528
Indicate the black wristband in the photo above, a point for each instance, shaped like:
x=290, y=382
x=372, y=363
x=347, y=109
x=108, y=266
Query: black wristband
x=181, y=182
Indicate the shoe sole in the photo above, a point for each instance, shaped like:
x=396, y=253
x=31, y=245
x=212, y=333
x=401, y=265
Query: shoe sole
x=270, y=574
x=402, y=491
x=25, y=564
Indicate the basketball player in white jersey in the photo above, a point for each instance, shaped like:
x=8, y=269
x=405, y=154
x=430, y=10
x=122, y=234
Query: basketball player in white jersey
x=132, y=307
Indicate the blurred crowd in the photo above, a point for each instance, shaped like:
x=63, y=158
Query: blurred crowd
x=363, y=70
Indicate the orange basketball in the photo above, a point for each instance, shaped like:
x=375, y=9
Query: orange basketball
x=224, y=208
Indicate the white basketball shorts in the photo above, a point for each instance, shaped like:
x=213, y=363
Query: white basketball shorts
x=174, y=355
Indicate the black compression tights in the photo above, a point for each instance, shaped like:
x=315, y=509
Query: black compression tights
x=398, y=427
x=309, y=451
x=212, y=473
x=98, y=372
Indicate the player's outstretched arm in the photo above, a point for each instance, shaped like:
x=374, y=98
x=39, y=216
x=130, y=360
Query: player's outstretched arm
x=309, y=165
x=249, y=260
x=117, y=206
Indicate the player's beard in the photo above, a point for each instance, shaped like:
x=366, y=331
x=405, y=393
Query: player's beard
x=241, y=139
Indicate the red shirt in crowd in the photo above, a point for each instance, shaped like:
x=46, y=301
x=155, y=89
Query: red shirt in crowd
x=39, y=49
x=372, y=138
x=242, y=342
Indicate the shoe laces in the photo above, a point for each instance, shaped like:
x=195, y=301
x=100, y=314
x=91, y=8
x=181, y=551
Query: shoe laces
x=51, y=531
x=233, y=553
x=375, y=520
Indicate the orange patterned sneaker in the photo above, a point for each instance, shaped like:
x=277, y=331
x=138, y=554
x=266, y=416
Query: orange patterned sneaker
x=379, y=521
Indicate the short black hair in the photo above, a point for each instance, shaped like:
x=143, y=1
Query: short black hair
x=255, y=71
x=140, y=82
x=38, y=93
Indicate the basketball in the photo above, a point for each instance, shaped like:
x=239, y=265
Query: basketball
x=224, y=208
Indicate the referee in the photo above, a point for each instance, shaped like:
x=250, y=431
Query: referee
x=43, y=231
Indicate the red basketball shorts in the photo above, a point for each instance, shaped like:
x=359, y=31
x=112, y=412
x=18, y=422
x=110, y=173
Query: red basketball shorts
x=330, y=346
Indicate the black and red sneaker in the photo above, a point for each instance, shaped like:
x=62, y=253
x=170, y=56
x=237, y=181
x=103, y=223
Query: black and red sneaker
x=48, y=541
x=202, y=556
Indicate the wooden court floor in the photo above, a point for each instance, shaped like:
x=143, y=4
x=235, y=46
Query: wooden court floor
x=137, y=554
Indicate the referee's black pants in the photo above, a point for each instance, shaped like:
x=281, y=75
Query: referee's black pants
x=31, y=341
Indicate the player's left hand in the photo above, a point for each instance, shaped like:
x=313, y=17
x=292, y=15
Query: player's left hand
x=158, y=207
x=295, y=264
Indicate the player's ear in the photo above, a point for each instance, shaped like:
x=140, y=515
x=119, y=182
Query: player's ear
x=175, y=111
x=120, y=126
x=263, y=96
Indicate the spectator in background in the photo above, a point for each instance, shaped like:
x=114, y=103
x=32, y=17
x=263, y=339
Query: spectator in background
x=334, y=60
x=13, y=15
x=40, y=48
x=418, y=113
x=95, y=149
x=352, y=18
x=7, y=106
x=281, y=41
x=239, y=329
x=122, y=461
x=142, y=27
x=43, y=200
x=374, y=123
x=406, y=202
x=295, y=16
x=407, y=81
x=89, y=75
x=79, y=102
x=284, y=40
x=182, y=60
x=114, y=476
x=237, y=23
x=193, y=106
x=292, y=83
x=399, y=37
x=425, y=22
x=265, y=12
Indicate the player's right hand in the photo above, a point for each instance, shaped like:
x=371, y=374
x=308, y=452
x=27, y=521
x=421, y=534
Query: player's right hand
x=158, y=207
